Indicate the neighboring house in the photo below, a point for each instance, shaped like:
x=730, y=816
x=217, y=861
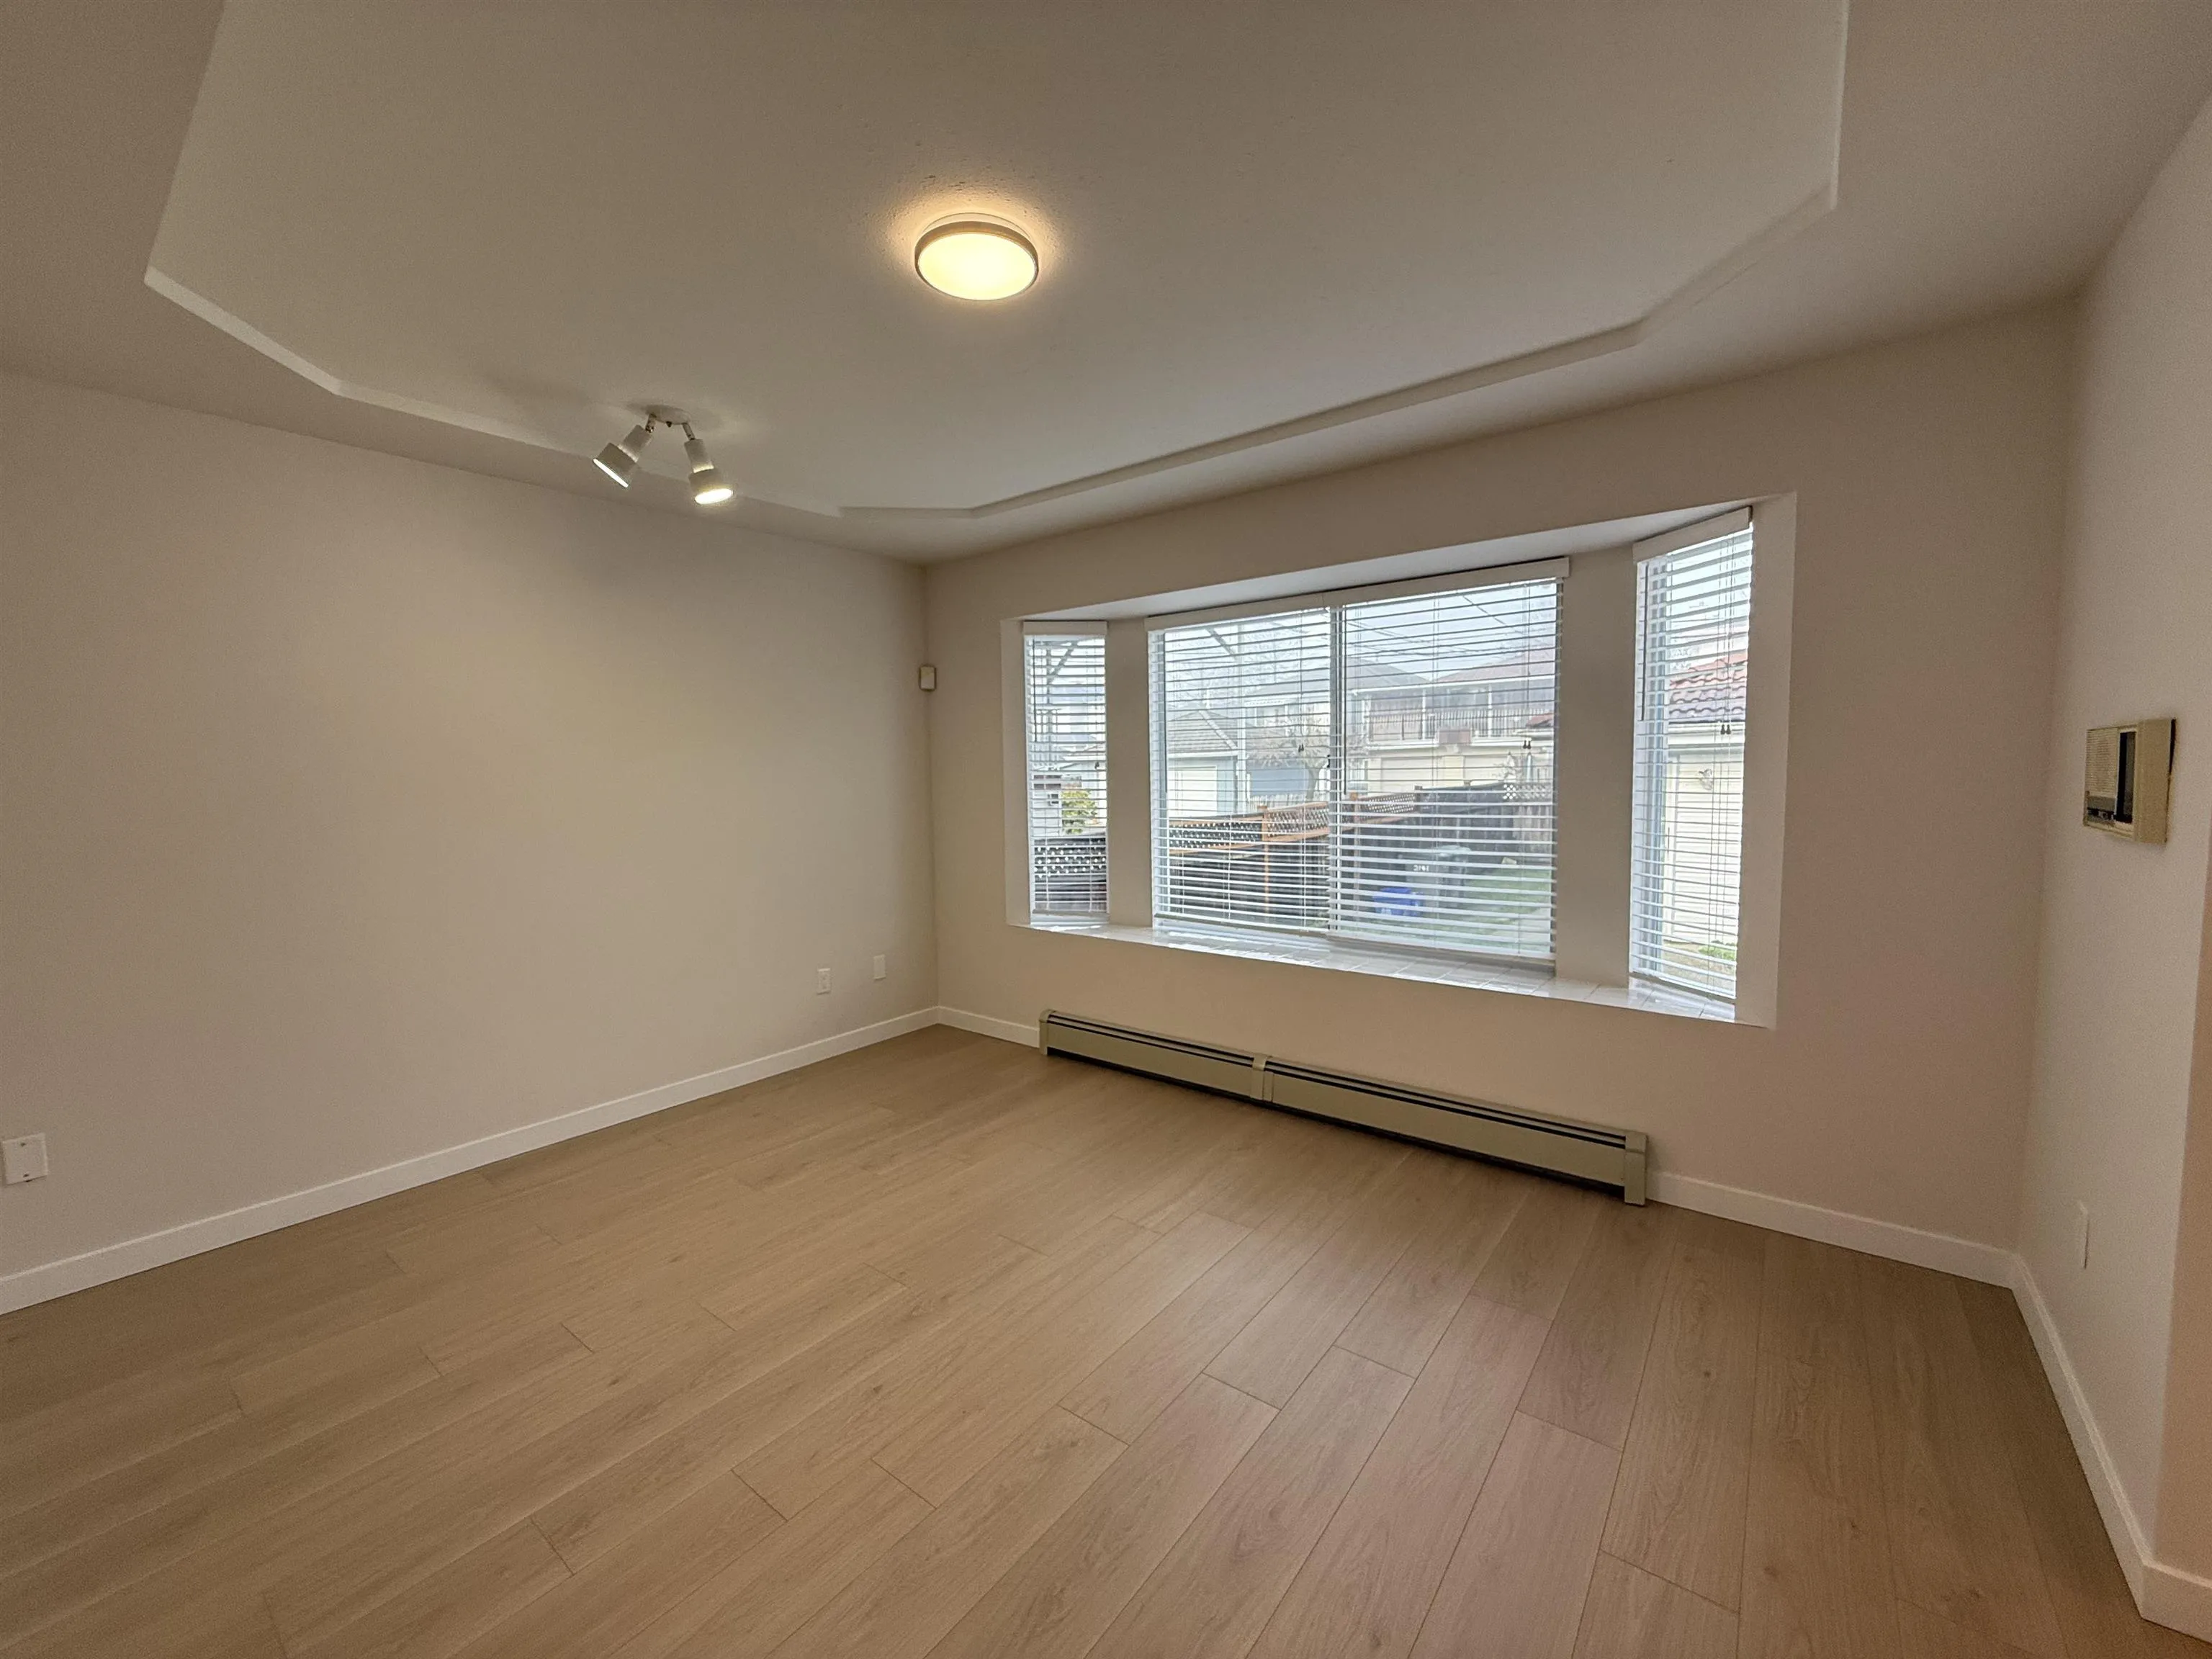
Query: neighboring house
x=1492, y=724
x=1694, y=757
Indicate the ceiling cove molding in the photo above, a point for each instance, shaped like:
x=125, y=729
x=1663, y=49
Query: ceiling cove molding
x=246, y=334
x=1716, y=276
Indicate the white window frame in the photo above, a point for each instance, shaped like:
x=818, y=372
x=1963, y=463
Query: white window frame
x=1654, y=773
x=1334, y=600
x=1449, y=582
x=1021, y=892
x=1773, y=524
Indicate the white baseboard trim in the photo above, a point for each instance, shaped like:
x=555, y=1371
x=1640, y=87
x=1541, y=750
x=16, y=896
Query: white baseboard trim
x=2129, y=1541
x=1011, y=1030
x=1889, y=1239
x=77, y=1273
x=2180, y=1600
x=2165, y=1595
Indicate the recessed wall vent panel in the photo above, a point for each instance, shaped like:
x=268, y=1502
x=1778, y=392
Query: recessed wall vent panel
x=1535, y=1140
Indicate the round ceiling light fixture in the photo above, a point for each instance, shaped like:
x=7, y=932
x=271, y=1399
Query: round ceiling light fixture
x=972, y=258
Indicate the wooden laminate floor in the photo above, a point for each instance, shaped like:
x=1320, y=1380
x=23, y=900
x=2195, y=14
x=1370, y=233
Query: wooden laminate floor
x=945, y=1349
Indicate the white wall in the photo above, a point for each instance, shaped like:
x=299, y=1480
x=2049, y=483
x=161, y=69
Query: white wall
x=1928, y=478
x=2184, y=1510
x=2123, y=924
x=358, y=808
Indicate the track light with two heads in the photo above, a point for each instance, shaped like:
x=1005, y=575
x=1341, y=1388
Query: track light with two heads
x=619, y=459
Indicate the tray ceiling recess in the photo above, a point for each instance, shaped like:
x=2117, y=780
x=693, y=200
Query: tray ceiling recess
x=1250, y=224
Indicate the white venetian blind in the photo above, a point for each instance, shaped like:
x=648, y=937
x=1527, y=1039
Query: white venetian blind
x=1693, y=638
x=1064, y=703
x=1241, y=750
x=1446, y=824
x=1376, y=770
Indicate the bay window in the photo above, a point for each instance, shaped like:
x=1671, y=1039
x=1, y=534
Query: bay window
x=1375, y=779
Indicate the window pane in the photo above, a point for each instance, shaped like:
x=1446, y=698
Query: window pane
x=1065, y=700
x=1379, y=770
x=1693, y=638
x=1447, y=824
x=1241, y=750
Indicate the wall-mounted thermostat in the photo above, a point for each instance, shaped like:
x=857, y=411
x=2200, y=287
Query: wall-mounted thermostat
x=2125, y=791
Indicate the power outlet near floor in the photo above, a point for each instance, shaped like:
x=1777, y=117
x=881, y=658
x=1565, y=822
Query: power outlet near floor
x=2082, y=1236
x=883, y=965
x=821, y=981
x=24, y=1158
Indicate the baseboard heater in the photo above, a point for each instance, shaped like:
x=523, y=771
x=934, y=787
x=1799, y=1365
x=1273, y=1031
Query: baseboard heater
x=1533, y=1140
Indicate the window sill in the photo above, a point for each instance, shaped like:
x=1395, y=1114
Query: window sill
x=1387, y=963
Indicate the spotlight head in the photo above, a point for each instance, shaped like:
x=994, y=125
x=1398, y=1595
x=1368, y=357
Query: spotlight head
x=618, y=463
x=618, y=460
x=707, y=486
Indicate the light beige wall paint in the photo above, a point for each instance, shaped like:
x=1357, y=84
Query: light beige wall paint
x=2184, y=1515
x=1594, y=753
x=1928, y=476
x=2120, y=931
x=356, y=808
x=1130, y=773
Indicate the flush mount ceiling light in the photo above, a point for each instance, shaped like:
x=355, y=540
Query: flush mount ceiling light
x=976, y=258
x=619, y=459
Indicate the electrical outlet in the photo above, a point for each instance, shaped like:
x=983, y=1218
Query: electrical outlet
x=883, y=966
x=821, y=981
x=2082, y=1235
x=25, y=1159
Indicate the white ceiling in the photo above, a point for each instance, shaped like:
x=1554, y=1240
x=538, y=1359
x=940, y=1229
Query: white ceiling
x=1277, y=239
x=525, y=220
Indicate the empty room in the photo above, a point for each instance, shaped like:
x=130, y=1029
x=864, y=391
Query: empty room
x=1049, y=829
